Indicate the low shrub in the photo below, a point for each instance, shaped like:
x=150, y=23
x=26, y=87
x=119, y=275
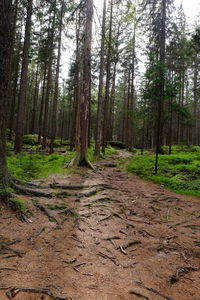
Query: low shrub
x=30, y=139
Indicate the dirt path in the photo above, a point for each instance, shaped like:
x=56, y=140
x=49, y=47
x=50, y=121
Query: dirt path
x=117, y=238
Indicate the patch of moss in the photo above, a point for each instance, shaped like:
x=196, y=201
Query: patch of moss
x=18, y=204
x=179, y=172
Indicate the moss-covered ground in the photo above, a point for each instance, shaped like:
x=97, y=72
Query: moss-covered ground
x=180, y=171
x=32, y=165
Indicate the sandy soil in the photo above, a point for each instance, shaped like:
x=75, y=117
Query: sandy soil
x=118, y=238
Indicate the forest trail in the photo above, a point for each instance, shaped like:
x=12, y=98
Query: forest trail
x=117, y=238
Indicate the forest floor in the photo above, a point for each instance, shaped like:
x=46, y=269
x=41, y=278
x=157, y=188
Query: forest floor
x=117, y=238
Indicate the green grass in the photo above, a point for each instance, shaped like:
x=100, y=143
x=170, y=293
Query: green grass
x=180, y=172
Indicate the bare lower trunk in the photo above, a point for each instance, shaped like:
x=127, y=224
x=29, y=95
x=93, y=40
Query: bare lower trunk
x=5, y=59
x=81, y=158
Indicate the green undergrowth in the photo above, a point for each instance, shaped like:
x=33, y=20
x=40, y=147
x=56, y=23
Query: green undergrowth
x=180, y=172
x=108, y=151
x=181, y=148
x=27, y=166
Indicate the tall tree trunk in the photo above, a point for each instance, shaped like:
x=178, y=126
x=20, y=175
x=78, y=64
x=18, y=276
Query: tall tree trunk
x=107, y=89
x=81, y=158
x=14, y=89
x=49, y=82
x=42, y=104
x=56, y=92
x=35, y=101
x=195, y=95
x=132, y=95
x=100, y=91
x=112, y=101
x=14, y=67
x=159, y=134
x=76, y=97
x=5, y=60
x=23, y=82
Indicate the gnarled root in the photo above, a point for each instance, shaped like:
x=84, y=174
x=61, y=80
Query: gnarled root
x=14, y=290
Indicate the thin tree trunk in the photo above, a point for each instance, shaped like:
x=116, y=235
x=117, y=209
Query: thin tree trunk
x=73, y=132
x=161, y=84
x=23, y=82
x=14, y=91
x=100, y=91
x=42, y=104
x=35, y=101
x=107, y=89
x=195, y=95
x=56, y=92
x=49, y=83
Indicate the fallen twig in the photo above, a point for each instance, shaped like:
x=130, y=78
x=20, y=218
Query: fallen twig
x=122, y=250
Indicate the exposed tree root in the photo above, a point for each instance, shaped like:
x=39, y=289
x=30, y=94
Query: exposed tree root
x=155, y=291
x=45, y=211
x=132, y=243
x=68, y=186
x=106, y=256
x=89, y=193
x=180, y=272
x=79, y=161
x=78, y=187
x=5, y=246
x=28, y=184
x=14, y=290
x=141, y=296
x=30, y=191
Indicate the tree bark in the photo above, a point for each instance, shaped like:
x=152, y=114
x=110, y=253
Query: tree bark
x=100, y=91
x=49, y=83
x=56, y=92
x=23, y=82
x=159, y=133
x=5, y=60
x=81, y=158
x=107, y=89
